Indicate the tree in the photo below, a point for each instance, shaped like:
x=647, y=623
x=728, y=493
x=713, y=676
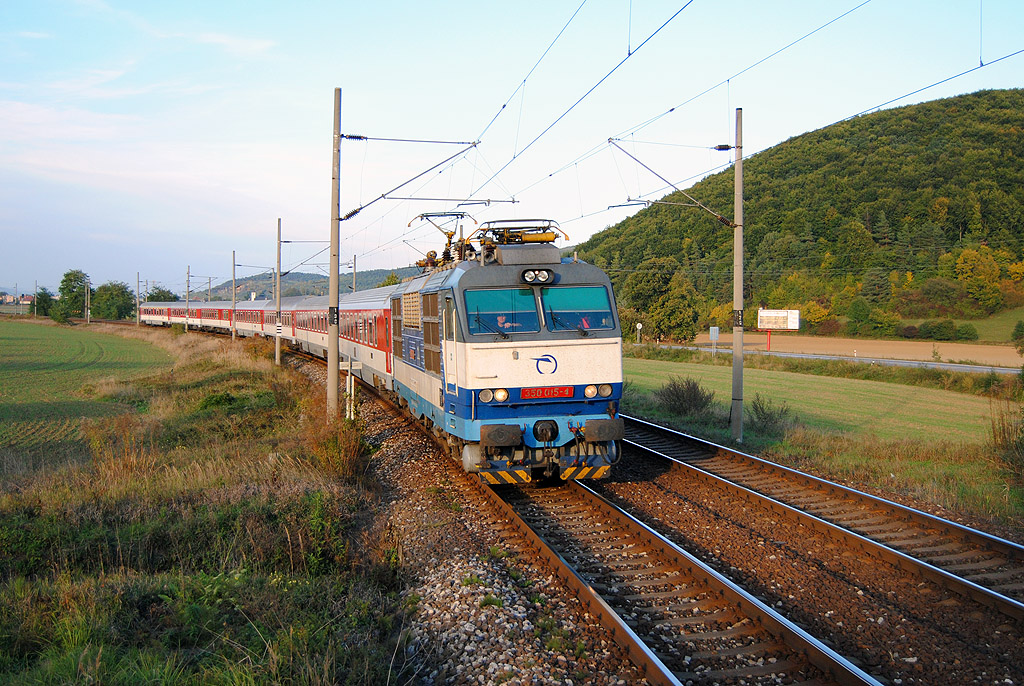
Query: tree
x=979, y=272
x=161, y=295
x=876, y=287
x=675, y=313
x=113, y=300
x=1018, y=337
x=72, y=296
x=859, y=310
x=854, y=246
x=44, y=302
x=390, y=280
x=644, y=287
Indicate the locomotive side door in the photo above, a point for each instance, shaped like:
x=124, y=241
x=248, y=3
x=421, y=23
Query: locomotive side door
x=448, y=326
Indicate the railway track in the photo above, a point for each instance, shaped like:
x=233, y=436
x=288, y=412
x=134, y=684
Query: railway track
x=679, y=620
x=985, y=568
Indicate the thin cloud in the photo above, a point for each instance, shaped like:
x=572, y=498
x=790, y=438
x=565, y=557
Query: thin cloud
x=34, y=35
x=234, y=44
x=30, y=123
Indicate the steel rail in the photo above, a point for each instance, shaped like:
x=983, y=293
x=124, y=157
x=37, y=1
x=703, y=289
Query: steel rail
x=1006, y=605
x=654, y=670
x=838, y=668
x=817, y=653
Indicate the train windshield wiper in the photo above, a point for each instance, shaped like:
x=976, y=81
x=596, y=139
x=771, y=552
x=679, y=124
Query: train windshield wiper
x=564, y=324
x=482, y=323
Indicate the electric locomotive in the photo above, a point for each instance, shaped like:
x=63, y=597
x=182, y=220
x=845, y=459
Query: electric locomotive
x=515, y=354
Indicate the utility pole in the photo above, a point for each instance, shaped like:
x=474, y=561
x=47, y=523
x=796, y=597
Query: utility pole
x=233, y=287
x=736, y=415
x=277, y=299
x=17, y=300
x=35, y=301
x=332, y=298
x=88, y=301
x=209, y=289
x=138, y=315
x=353, y=273
x=188, y=290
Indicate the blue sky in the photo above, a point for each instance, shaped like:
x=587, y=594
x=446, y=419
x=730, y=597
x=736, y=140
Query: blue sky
x=148, y=136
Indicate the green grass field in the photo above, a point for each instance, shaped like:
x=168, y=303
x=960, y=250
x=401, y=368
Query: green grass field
x=49, y=376
x=850, y=406
x=994, y=329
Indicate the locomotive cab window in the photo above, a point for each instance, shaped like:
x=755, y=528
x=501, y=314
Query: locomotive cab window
x=569, y=308
x=504, y=311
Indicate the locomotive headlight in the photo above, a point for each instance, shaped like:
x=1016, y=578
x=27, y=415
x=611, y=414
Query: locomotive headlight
x=590, y=391
x=501, y=395
x=604, y=390
x=486, y=395
x=536, y=275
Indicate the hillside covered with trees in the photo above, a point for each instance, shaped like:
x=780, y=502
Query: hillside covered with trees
x=910, y=213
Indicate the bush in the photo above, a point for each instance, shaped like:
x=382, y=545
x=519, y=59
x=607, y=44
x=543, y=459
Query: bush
x=944, y=330
x=909, y=331
x=829, y=327
x=966, y=332
x=684, y=397
x=59, y=313
x=1018, y=337
x=767, y=418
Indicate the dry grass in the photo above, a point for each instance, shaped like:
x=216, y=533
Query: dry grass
x=1008, y=436
x=964, y=477
x=225, y=524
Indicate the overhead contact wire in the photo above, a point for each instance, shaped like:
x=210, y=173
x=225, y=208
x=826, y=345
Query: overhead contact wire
x=639, y=127
x=584, y=96
x=530, y=73
x=937, y=83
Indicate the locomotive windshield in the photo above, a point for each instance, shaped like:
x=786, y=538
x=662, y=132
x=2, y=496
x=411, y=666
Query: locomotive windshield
x=577, y=307
x=504, y=311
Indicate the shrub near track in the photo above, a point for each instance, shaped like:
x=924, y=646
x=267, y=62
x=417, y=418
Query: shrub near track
x=194, y=548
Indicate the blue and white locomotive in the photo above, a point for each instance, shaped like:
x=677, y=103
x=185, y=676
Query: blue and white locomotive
x=510, y=352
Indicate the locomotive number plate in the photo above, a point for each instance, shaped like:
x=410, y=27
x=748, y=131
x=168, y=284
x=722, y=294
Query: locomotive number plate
x=547, y=392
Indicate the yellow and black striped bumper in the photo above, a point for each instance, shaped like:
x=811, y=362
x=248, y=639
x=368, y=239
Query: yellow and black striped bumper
x=584, y=472
x=505, y=476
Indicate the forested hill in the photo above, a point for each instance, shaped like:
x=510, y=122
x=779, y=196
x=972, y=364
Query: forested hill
x=915, y=212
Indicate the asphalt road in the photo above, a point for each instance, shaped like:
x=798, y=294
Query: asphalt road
x=950, y=366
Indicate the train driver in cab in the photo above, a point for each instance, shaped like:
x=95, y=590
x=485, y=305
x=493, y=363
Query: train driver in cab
x=504, y=323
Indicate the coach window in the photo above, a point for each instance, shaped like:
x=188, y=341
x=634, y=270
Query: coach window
x=504, y=311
